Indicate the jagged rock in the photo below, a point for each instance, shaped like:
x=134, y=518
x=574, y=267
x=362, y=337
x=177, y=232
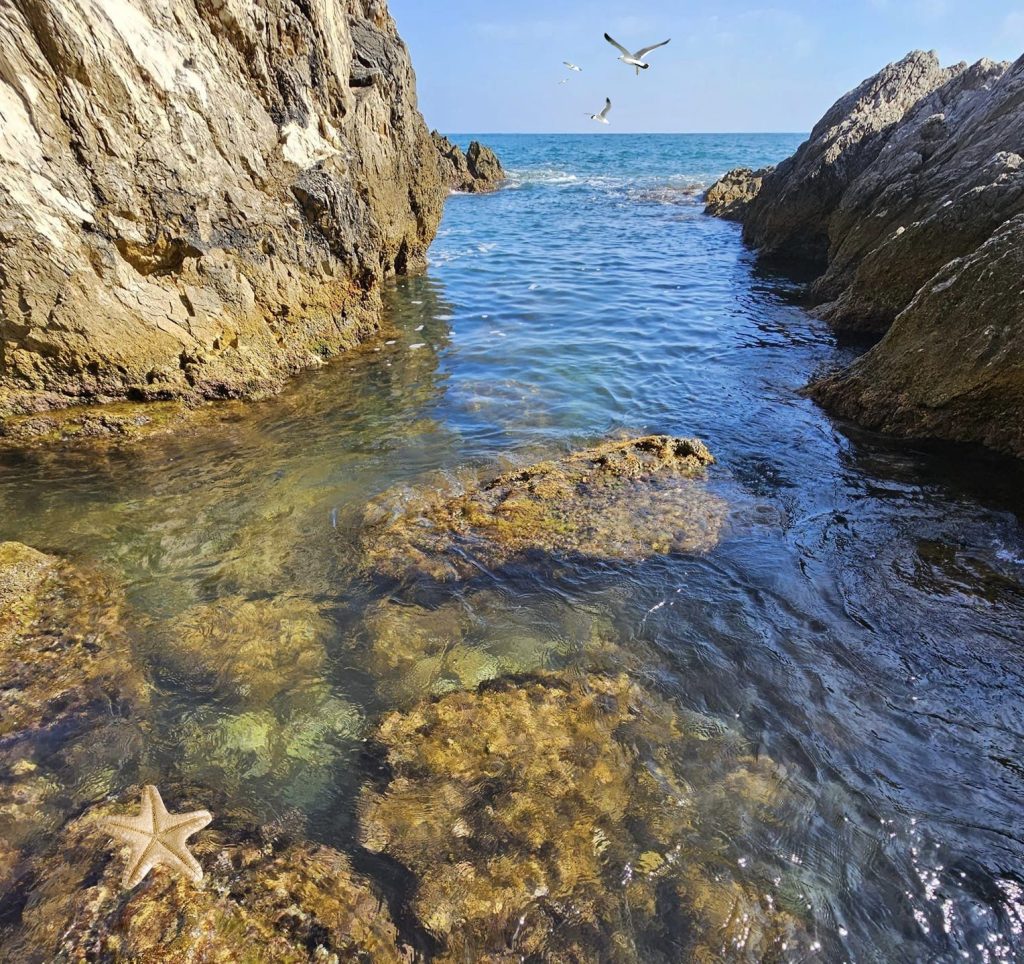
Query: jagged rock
x=790, y=215
x=475, y=172
x=626, y=499
x=543, y=819
x=730, y=196
x=199, y=199
x=909, y=189
x=952, y=364
x=264, y=897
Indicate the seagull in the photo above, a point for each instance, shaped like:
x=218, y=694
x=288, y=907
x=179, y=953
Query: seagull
x=563, y=82
x=637, y=59
x=602, y=118
x=572, y=66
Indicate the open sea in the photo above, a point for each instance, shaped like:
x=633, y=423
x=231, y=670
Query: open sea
x=861, y=623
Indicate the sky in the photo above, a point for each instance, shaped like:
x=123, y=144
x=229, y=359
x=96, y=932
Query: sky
x=732, y=65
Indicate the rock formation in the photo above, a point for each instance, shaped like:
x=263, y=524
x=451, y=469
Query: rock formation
x=475, y=172
x=908, y=196
x=730, y=196
x=198, y=199
x=622, y=500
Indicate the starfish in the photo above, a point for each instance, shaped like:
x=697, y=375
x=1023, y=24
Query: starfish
x=157, y=838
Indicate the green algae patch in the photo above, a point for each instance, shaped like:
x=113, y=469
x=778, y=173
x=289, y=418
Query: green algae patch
x=544, y=818
x=623, y=500
x=265, y=897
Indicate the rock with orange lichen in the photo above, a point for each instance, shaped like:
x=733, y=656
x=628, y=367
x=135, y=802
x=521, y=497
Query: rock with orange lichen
x=544, y=817
x=264, y=897
x=622, y=500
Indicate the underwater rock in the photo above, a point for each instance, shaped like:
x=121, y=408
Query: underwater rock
x=542, y=817
x=64, y=651
x=255, y=649
x=69, y=695
x=623, y=500
x=264, y=897
x=287, y=759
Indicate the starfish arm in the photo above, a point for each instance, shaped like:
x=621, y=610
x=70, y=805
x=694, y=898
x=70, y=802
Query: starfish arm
x=144, y=859
x=180, y=860
x=186, y=824
x=130, y=835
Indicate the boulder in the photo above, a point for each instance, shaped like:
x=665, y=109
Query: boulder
x=198, y=199
x=624, y=500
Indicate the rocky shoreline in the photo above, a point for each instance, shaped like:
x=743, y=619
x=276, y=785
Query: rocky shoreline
x=199, y=202
x=908, y=199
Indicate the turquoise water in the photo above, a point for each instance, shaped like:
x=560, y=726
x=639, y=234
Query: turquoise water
x=862, y=623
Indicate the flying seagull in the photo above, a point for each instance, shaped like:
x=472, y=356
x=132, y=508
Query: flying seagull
x=572, y=66
x=602, y=118
x=637, y=59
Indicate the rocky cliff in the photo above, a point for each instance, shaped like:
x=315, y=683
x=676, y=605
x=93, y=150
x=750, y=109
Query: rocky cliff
x=197, y=199
x=908, y=196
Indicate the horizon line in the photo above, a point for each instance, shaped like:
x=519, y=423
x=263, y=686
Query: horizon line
x=598, y=133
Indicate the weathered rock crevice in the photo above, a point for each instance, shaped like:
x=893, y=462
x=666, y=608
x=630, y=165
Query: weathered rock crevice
x=907, y=197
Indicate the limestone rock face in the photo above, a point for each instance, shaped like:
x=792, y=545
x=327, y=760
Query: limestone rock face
x=475, y=172
x=909, y=195
x=790, y=216
x=730, y=196
x=198, y=199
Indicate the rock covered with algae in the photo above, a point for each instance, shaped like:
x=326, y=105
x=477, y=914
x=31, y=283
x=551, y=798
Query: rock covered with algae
x=625, y=499
x=264, y=897
x=542, y=821
x=64, y=651
x=70, y=693
x=254, y=649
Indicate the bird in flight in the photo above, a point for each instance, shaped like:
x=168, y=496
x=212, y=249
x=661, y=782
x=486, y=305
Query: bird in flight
x=572, y=66
x=602, y=118
x=635, y=59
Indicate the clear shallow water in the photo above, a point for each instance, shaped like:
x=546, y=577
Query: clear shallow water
x=862, y=623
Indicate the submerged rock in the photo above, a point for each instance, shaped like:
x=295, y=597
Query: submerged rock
x=475, y=172
x=254, y=649
x=626, y=500
x=70, y=695
x=730, y=196
x=200, y=199
x=264, y=897
x=542, y=818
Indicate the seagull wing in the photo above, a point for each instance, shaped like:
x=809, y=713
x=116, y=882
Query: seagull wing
x=617, y=45
x=607, y=107
x=646, y=50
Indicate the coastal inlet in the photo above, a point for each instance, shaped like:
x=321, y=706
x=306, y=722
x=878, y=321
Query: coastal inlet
x=555, y=623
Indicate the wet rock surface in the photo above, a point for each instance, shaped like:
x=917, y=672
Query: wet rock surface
x=621, y=500
x=200, y=200
x=730, y=196
x=477, y=171
x=907, y=197
x=266, y=897
x=543, y=818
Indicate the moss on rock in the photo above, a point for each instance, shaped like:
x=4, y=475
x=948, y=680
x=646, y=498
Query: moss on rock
x=264, y=898
x=625, y=499
x=542, y=819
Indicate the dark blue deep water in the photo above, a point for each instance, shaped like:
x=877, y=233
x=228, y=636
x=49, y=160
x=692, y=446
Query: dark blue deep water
x=861, y=622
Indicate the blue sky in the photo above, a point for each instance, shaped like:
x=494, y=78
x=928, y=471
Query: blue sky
x=733, y=65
